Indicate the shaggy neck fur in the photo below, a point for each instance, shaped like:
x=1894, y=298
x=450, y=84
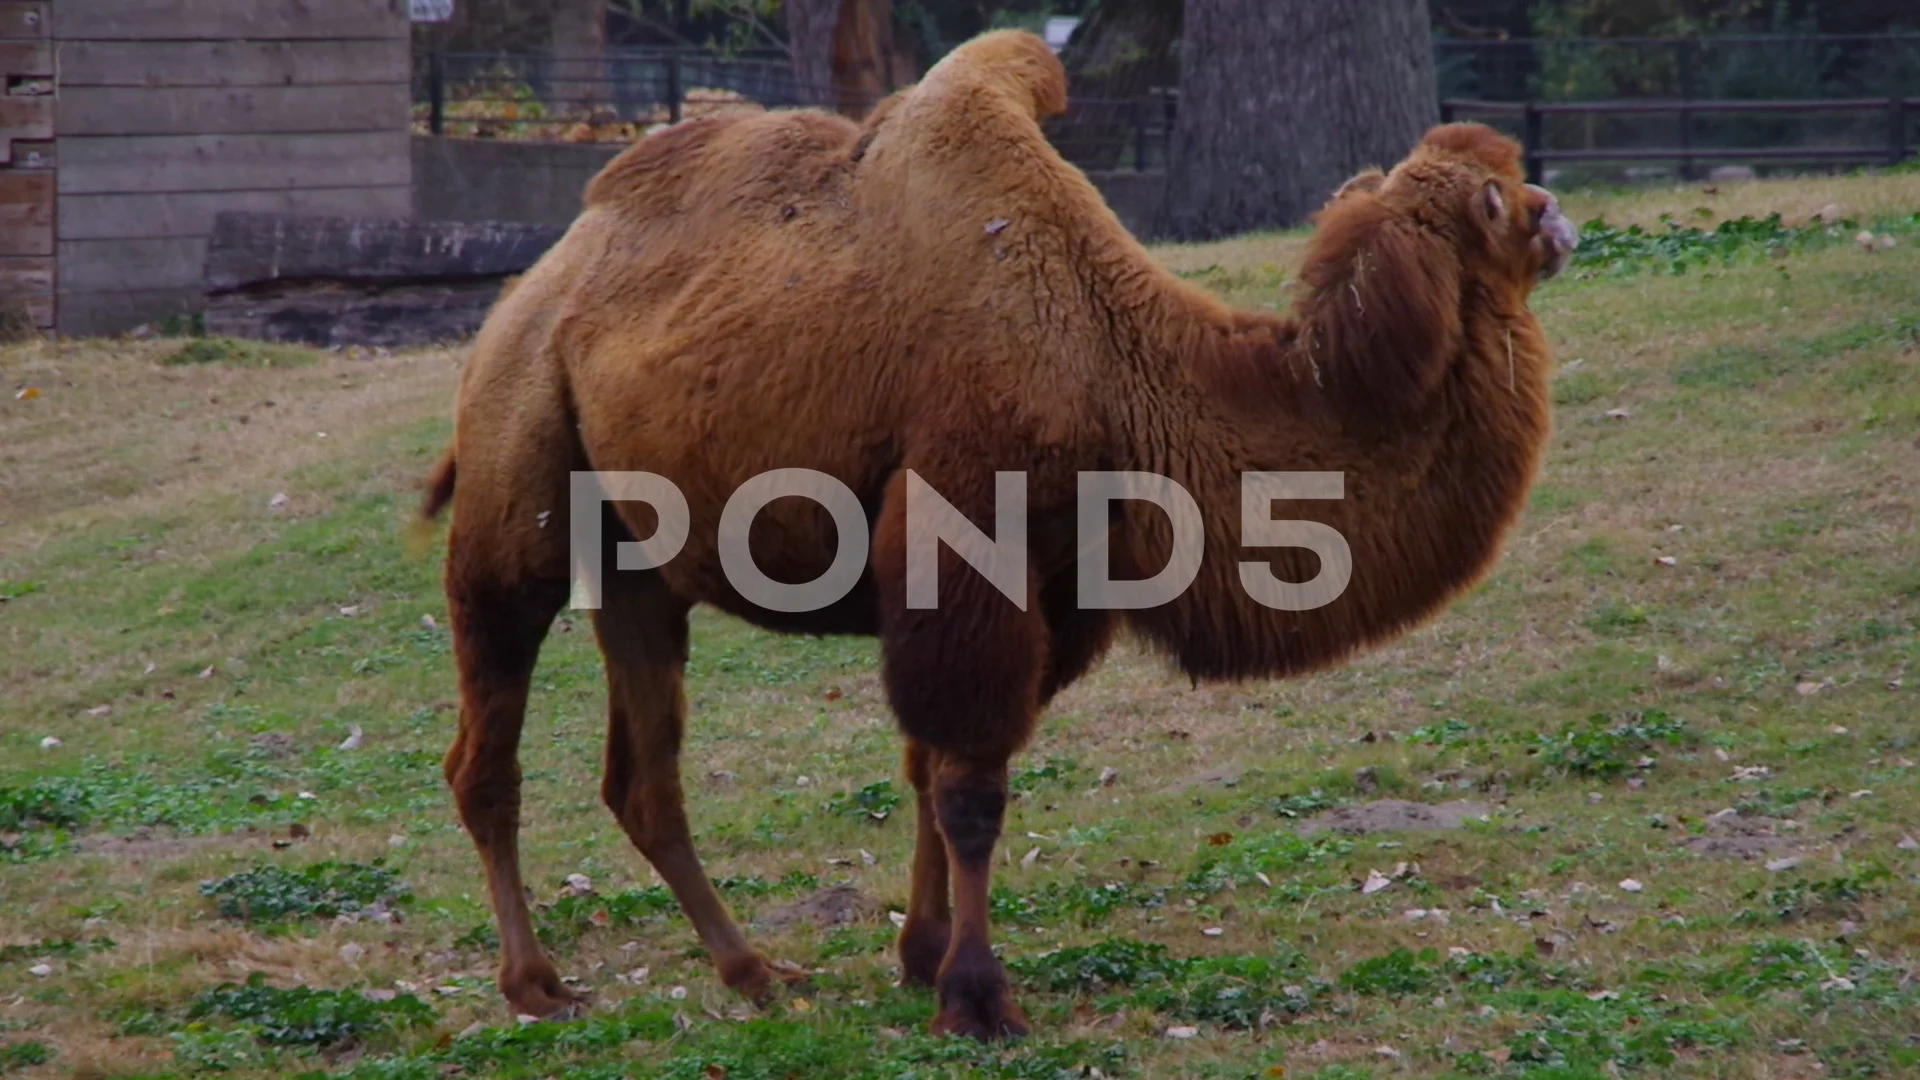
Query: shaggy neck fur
x=1422, y=382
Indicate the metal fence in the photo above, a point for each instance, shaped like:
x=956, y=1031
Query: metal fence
x=1726, y=68
x=1659, y=103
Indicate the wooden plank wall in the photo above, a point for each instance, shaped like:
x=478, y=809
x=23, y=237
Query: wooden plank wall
x=26, y=163
x=171, y=111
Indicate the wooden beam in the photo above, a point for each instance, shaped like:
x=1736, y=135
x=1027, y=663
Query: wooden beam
x=233, y=63
x=253, y=250
x=29, y=58
x=140, y=216
x=84, y=314
x=131, y=265
x=256, y=20
x=26, y=276
x=26, y=212
x=24, y=19
x=115, y=110
x=24, y=117
x=201, y=163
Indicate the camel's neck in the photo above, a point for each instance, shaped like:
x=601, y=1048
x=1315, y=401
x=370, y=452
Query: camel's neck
x=1435, y=457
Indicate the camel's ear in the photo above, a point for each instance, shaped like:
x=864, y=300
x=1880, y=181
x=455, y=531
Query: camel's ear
x=1365, y=180
x=1492, y=205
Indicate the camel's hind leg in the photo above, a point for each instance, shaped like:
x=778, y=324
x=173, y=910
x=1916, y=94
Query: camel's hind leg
x=643, y=632
x=497, y=630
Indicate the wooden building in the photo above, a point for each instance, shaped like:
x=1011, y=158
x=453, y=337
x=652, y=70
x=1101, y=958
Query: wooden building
x=126, y=125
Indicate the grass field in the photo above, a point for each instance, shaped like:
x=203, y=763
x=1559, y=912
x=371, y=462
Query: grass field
x=1641, y=805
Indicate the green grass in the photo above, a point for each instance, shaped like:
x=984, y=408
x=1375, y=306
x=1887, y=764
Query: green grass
x=200, y=879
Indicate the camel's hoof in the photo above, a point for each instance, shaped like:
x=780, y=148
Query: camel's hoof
x=991, y=1019
x=765, y=982
x=545, y=999
x=922, y=945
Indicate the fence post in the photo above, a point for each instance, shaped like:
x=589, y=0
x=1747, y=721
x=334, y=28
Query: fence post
x=1138, y=115
x=1170, y=106
x=1896, y=130
x=436, y=93
x=1530, y=123
x=675, y=92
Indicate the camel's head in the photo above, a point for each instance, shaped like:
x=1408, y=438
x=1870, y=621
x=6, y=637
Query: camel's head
x=1471, y=173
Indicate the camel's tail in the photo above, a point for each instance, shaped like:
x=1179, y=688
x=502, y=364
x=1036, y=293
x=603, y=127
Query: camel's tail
x=439, y=494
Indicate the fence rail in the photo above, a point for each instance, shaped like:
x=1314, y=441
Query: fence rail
x=618, y=97
x=1691, y=101
x=1894, y=113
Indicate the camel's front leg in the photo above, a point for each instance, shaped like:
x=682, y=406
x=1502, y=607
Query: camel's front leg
x=970, y=801
x=923, y=940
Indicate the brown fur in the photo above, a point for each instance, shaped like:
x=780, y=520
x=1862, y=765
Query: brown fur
x=940, y=292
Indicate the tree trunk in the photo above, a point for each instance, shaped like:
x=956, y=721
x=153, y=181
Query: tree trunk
x=1283, y=100
x=578, y=41
x=1123, y=50
x=844, y=56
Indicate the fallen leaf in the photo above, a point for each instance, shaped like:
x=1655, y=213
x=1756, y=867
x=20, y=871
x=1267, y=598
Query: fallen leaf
x=1630, y=885
x=1788, y=863
x=1213, y=931
x=27, y=393
x=802, y=1005
x=279, y=501
x=352, y=741
x=1220, y=839
x=40, y=970
x=1032, y=856
x=1385, y=1052
x=1108, y=775
x=1861, y=794
x=1618, y=414
x=868, y=858
x=678, y=993
x=100, y=710
x=577, y=885
x=49, y=742
x=298, y=831
x=715, y=1072
x=207, y=672
x=351, y=953
x=997, y=225
x=898, y=918
x=1908, y=843
x=1666, y=560
x=1375, y=882
x=835, y=694
x=1182, y=1032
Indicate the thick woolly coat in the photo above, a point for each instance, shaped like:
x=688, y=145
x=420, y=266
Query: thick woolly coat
x=939, y=291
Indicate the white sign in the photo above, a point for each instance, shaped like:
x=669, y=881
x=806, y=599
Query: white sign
x=430, y=10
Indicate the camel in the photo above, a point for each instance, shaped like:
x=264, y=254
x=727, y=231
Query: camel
x=937, y=294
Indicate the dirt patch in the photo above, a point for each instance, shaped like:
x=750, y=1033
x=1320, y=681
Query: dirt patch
x=273, y=744
x=1740, y=836
x=837, y=906
x=1395, y=815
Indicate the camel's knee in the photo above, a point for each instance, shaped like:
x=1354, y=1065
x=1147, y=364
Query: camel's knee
x=970, y=808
